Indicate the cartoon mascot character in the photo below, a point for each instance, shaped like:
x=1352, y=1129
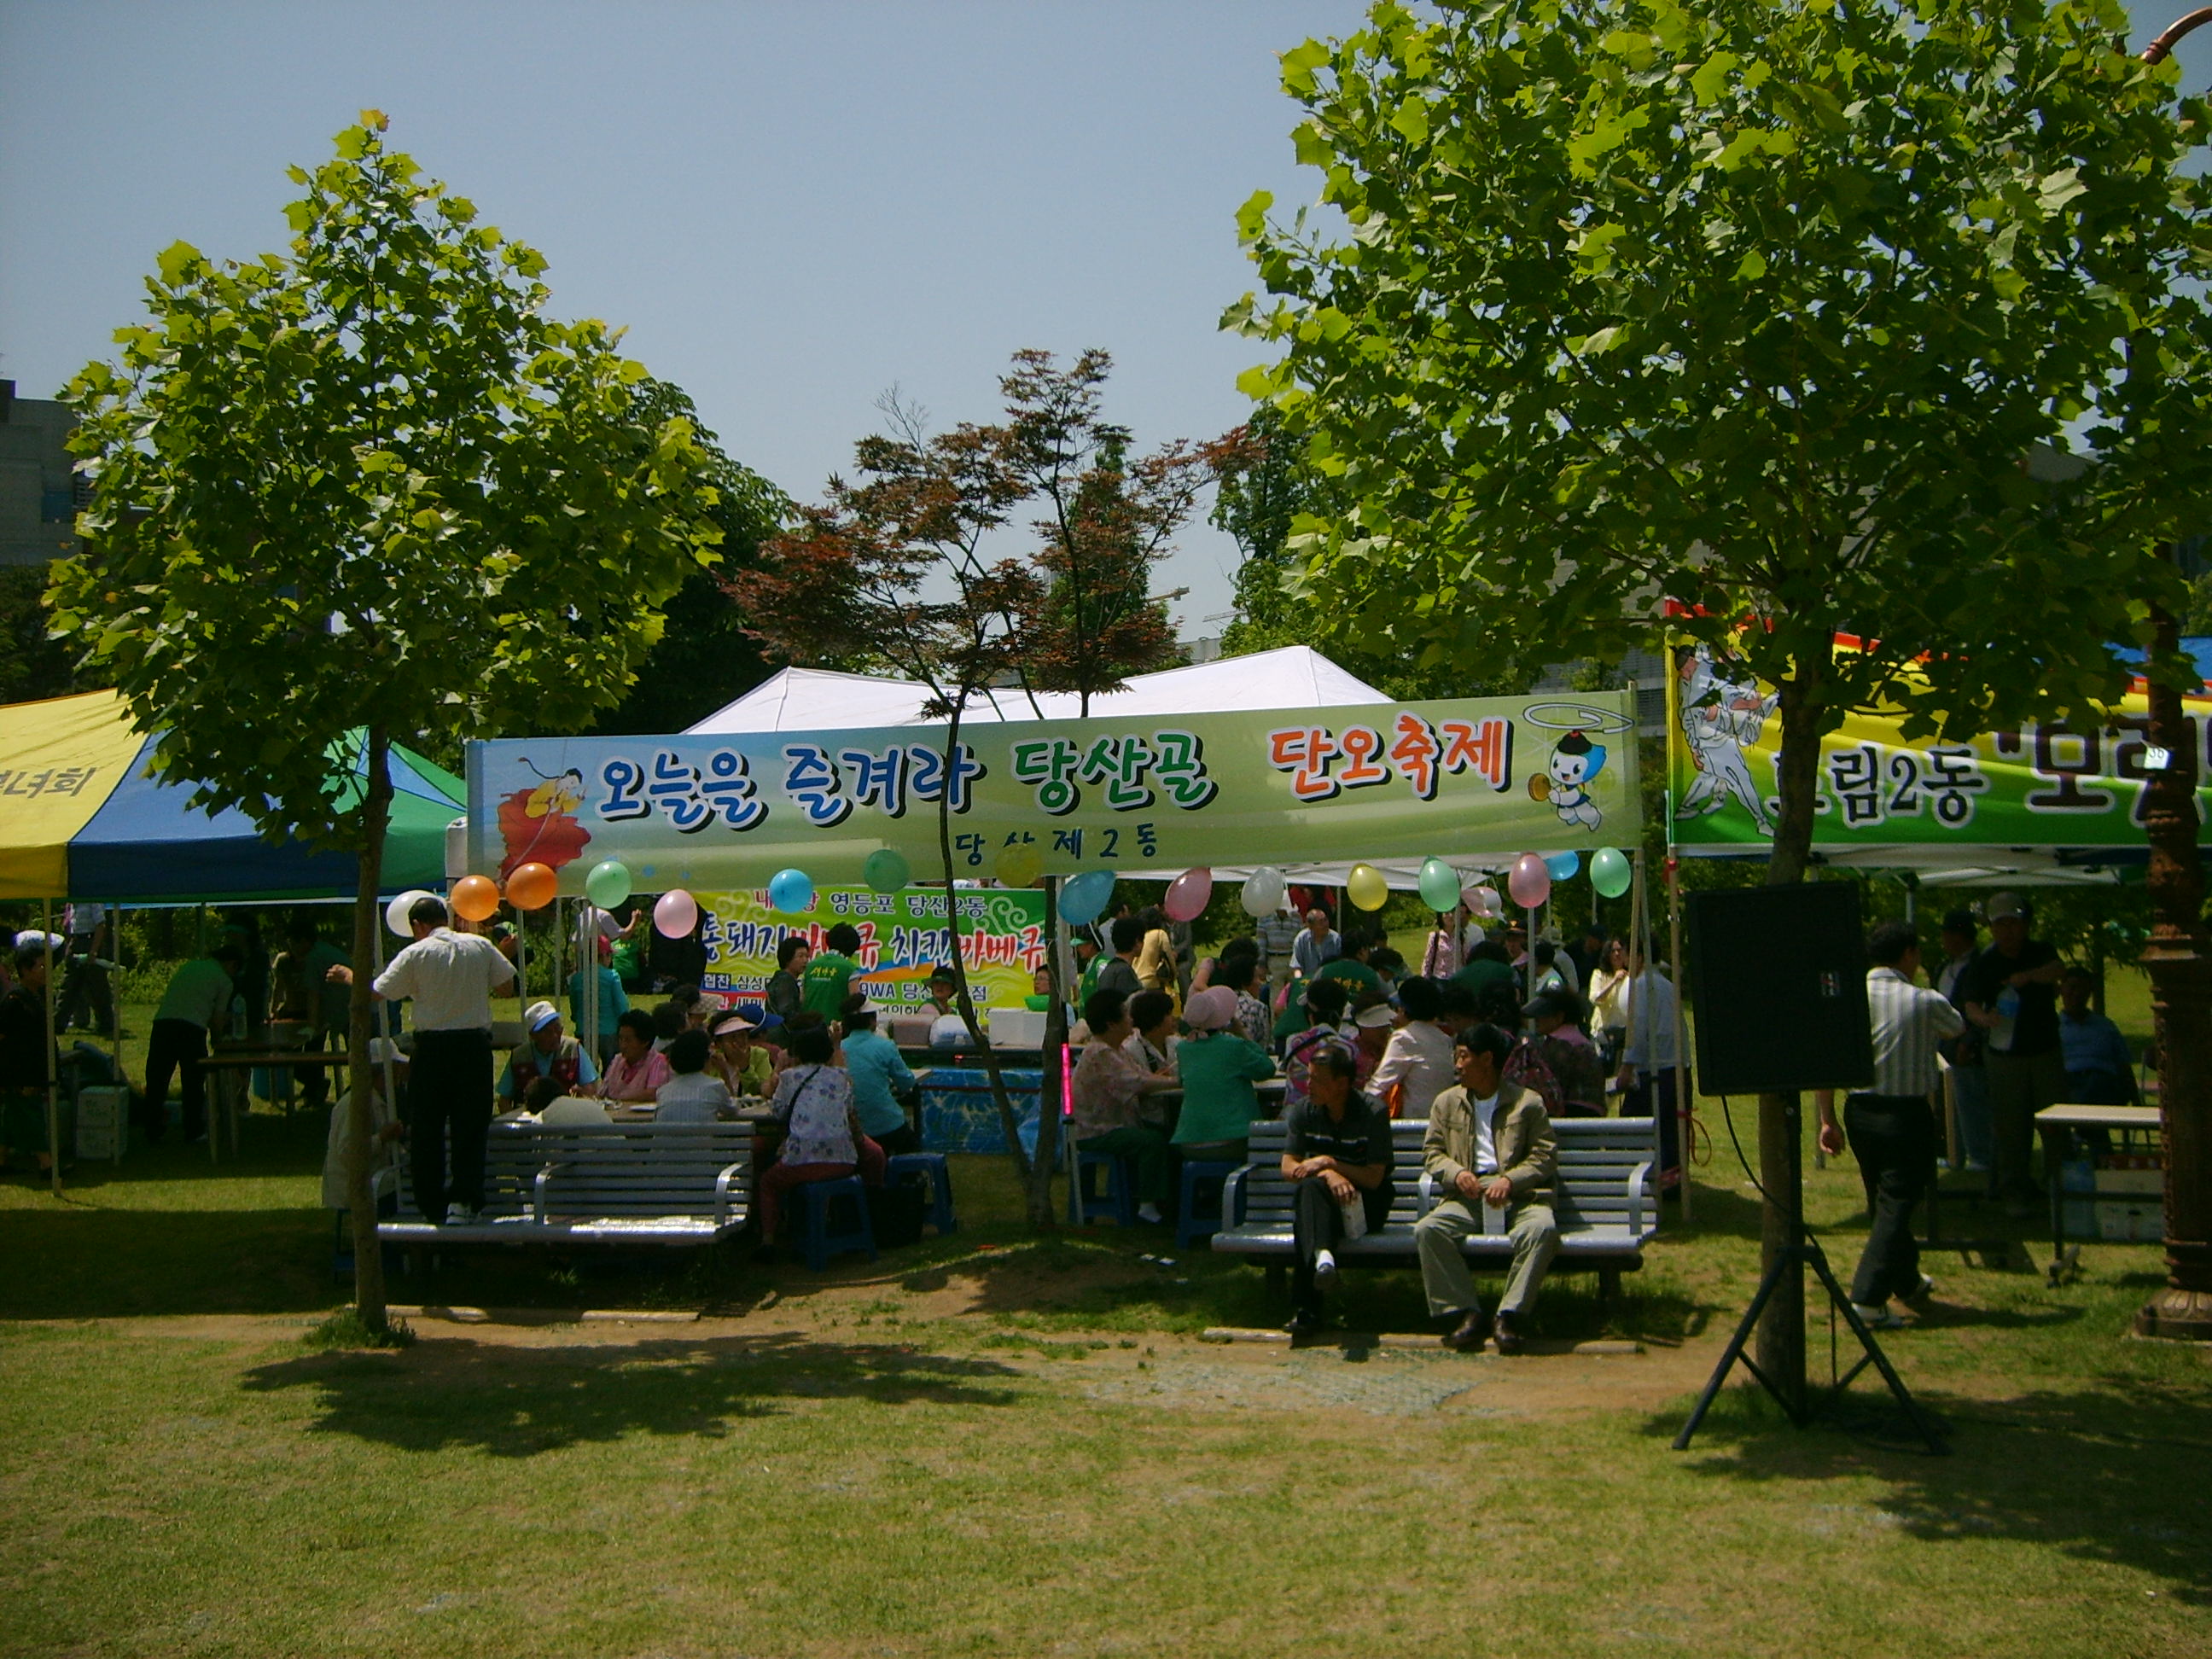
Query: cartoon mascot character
x=1564, y=783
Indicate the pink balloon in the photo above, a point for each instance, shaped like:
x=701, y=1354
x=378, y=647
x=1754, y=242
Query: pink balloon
x=1187, y=895
x=1530, y=883
x=675, y=913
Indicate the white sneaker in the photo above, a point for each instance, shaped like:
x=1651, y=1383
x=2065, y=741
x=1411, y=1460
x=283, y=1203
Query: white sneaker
x=1919, y=1297
x=1324, y=1269
x=1149, y=1213
x=1877, y=1319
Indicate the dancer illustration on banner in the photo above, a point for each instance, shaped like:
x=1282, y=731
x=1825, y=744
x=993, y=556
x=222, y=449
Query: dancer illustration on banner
x=1722, y=721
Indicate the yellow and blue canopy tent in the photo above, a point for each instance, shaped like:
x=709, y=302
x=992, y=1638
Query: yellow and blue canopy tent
x=80, y=817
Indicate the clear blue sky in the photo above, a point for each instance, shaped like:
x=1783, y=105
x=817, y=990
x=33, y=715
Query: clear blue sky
x=791, y=207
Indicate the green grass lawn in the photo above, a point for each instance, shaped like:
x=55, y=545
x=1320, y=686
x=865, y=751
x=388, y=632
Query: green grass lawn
x=995, y=1444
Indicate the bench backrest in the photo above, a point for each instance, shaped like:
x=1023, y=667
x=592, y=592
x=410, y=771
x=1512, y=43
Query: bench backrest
x=1596, y=1156
x=611, y=1170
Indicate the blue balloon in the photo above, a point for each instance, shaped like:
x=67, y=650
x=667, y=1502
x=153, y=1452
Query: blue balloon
x=1564, y=866
x=791, y=891
x=1083, y=898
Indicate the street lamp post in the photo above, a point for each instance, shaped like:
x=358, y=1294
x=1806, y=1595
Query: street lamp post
x=2180, y=958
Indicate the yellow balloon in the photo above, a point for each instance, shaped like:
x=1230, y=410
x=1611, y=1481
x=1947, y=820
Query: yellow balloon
x=1366, y=887
x=1019, y=865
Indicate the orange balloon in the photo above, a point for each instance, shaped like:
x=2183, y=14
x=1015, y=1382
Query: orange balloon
x=532, y=886
x=475, y=898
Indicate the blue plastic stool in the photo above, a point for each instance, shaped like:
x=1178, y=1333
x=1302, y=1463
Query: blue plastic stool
x=906, y=1168
x=815, y=1198
x=1193, y=1225
x=1085, y=1204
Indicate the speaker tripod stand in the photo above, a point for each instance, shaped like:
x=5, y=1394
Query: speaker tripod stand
x=1789, y=1262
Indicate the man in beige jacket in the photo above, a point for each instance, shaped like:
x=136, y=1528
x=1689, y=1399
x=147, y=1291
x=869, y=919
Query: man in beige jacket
x=1490, y=1147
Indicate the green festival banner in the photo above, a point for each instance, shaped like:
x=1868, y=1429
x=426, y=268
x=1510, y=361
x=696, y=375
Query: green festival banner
x=902, y=936
x=2053, y=784
x=1473, y=779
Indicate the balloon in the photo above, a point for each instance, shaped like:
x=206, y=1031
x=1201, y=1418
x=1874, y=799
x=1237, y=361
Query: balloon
x=675, y=913
x=1263, y=891
x=886, y=870
x=1484, y=902
x=1083, y=898
x=1439, y=884
x=1189, y=894
x=608, y=884
x=791, y=891
x=1562, y=867
x=1530, y=883
x=395, y=913
x=1610, y=873
x=532, y=886
x=1365, y=887
x=1019, y=864
x=475, y=898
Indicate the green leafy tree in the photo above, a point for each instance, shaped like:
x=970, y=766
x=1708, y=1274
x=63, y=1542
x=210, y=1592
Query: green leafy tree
x=1750, y=306
x=706, y=656
x=32, y=663
x=367, y=486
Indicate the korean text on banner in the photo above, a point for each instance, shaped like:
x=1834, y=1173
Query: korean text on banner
x=902, y=938
x=1478, y=778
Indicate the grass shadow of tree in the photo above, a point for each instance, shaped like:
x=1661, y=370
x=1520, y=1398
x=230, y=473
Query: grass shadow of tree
x=2094, y=1474
x=518, y=1402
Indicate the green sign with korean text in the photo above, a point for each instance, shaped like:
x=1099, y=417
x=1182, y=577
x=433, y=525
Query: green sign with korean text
x=2036, y=787
x=1476, y=780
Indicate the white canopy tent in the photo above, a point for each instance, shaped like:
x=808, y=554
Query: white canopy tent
x=813, y=699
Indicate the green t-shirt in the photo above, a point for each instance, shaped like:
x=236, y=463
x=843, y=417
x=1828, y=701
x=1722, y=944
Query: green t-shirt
x=1217, y=1073
x=828, y=983
x=1486, y=976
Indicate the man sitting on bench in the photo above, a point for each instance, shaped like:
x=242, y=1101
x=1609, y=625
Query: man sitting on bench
x=1490, y=1146
x=1336, y=1151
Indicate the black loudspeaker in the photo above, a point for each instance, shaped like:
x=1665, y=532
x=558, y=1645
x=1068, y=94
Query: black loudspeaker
x=1778, y=974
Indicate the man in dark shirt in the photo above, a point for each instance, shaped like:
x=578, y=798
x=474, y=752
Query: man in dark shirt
x=27, y=1060
x=1336, y=1151
x=2010, y=992
x=1119, y=971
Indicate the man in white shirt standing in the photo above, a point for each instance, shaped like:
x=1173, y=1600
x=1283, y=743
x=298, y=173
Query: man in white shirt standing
x=1490, y=1147
x=1648, y=1062
x=1892, y=1127
x=451, y=977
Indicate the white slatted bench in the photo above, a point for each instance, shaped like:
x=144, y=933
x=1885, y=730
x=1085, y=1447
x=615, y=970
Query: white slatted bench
x=616, y=1184
x=1604, y=1201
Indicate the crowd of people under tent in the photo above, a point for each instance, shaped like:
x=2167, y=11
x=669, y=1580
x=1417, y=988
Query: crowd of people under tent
x=1169, y=1048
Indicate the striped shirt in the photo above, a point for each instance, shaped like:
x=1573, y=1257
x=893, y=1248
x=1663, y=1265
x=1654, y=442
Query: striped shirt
x=1908, y=1021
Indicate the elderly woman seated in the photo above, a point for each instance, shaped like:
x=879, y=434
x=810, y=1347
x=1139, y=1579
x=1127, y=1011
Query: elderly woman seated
x=694, y=1095
x=637, y=1071
x=821, y=1137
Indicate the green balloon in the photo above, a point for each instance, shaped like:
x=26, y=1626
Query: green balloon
x=1610, y=872
x=886, y=870
x=1439, y=885
x=608, y=884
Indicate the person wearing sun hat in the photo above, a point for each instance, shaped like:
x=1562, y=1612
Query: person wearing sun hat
x=547, y=1051
x=744, y=1066
x=1218, y=1067
x=880, y=1076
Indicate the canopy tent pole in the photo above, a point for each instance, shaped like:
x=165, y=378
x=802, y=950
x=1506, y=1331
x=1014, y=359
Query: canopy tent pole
x=53, y=1071
x=1683, y=1130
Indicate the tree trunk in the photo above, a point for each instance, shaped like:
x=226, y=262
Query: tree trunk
x=1780, y=1344
x=1039, y=1216
x=2181, y=1003
x=367, y=1253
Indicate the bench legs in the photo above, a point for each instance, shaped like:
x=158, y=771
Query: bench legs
x=1609, y=1284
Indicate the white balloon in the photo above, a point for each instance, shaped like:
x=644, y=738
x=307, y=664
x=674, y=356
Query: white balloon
x=1263, y=891
x=395, y=913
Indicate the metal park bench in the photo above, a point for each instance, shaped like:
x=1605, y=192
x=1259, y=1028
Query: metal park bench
x=613, y=1184
x=1605, y=1201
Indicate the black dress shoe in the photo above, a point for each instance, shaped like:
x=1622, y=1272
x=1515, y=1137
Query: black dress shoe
x=1467, y=1335
x=1508, y=1334
x=1304, y=1322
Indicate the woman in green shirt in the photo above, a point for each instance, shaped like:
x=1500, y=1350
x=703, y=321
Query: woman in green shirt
x=1218, y=1068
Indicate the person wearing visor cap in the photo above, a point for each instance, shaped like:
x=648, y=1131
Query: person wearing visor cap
x=548, y=1052
x=744, y=1066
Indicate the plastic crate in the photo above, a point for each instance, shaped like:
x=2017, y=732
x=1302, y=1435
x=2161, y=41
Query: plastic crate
x=103, y=1122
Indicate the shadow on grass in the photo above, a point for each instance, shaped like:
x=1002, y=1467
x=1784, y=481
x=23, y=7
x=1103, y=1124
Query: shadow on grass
x=79, y=1262
x=520, y=1401
x=2096, y=1474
